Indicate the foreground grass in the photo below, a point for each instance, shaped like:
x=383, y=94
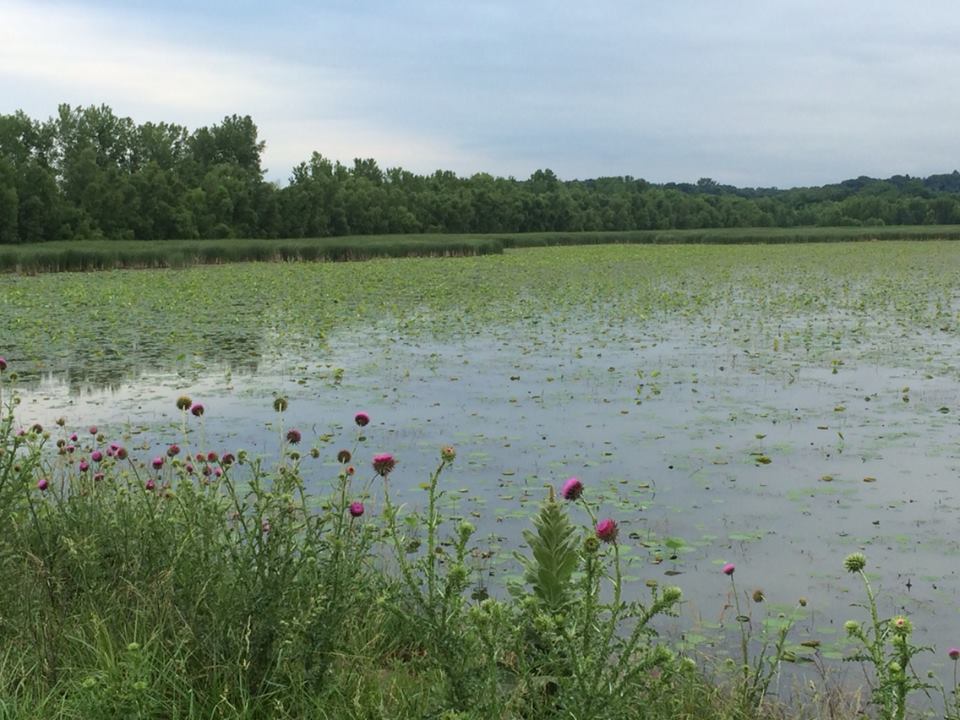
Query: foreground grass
x=105, y=255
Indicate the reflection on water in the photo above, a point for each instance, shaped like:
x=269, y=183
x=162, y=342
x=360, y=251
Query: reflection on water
x=97, y=367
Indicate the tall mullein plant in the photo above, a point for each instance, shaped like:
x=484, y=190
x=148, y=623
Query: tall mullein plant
x=555, y=554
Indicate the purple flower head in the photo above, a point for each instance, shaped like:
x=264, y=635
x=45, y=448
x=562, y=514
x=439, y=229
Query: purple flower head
x=92, y=429
x=293, y=436
x=97, y=477
x=572, y=489
x=218, y=472
x=729, y=568
x=84, y=466
x=197, y=409
x=356, y=508
x=173, y=450
x=3, y=363
x=227, y=459
x=954, y=653
x=212, y=456
x=73, y=437
x=384, y=463
x=157, y=462
x=607, y=530
x=96, y=456
x=121, y=453
x=150, y=484
x=361, y=419
x=43, y=484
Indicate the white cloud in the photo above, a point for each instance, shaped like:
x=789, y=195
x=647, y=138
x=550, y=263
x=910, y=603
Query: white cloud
x=68, y=54
x=83, y=55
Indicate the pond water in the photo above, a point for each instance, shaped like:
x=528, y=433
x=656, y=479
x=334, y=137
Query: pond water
x=774, y=407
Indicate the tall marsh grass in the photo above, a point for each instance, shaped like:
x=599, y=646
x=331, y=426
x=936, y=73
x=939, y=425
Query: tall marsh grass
x=93, y=255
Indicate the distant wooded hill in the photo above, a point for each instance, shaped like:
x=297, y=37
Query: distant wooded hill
x=89, y=174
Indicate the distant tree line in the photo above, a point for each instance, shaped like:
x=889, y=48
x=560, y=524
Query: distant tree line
x=87, y=173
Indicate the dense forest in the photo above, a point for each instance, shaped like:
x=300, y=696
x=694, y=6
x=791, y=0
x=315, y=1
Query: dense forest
x=88, y=173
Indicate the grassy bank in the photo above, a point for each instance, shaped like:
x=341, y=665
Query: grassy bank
x=104, y=255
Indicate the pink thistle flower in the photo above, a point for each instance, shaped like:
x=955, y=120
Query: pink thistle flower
x=954, y=653
x=43, y=484
x=293, y=436
x=384, y=463
x=92, y=430
x=114, y=447
x=3, y=363
x=729, y=568
x=197, y=409
x=157, y=462
x=73, y=437
x=572, y=489
x=607, y=530
x=218, y=472
x=96, y=456
x=84, y=466
x=206, y=470
x=361, y=419
x=173, y=450
x=150, y=484
x=212, y=456
x=121, y=453
x=350, y=470
x=189, y=468
x=227, y=459
x=70, y=448
x=356, y=508
x=97, y=477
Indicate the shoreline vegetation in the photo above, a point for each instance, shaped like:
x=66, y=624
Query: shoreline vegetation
x=90, y=255
x=208, y=583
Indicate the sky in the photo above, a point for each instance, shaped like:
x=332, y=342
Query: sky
x=748, y=92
